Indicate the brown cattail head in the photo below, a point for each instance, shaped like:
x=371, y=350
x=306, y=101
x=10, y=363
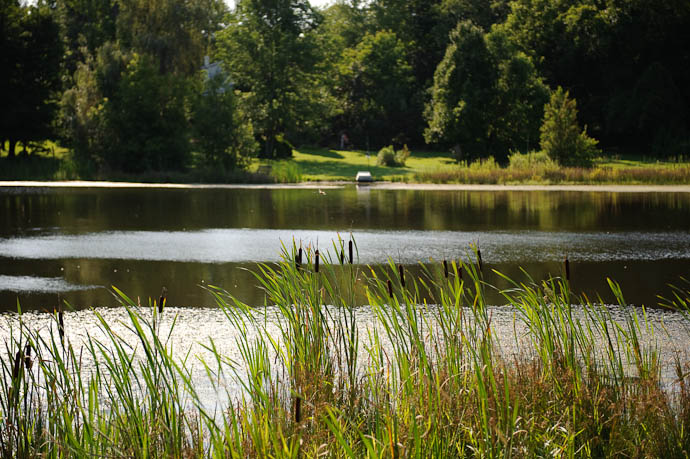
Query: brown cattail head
x=445, y=269
x=350, y=250
x=161, y=300
x=479, y=258
x=401, y=271
x=567, y=269
x=299, y=256
x=61, y=324
x=28, y=362
x=459, y=271
x=390, y=288
x=298, y=409
x=316, y=261
x=342, y=256
x=17, y=362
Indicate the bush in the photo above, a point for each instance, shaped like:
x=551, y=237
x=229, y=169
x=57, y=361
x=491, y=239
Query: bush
x=402, y=155
x=561, y=138
x=387, y=156
x=531, y=160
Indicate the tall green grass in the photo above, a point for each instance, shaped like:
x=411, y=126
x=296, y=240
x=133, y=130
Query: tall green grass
x=421, y=371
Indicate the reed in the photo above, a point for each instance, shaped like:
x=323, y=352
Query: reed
x=430, y=377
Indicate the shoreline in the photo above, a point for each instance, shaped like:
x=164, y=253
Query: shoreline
x=609, y=188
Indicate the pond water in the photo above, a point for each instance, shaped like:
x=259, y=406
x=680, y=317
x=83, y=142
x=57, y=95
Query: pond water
x=74, y=243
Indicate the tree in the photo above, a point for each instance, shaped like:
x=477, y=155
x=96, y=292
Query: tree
x=270, y=51
x=606, y=52
x=220, y=130
x=464, y=87
x=146, y=120
x=85, y=26
x=561, y=137
x=30, y=76
x=487, y=97
x=375, y=83
x=175, y=33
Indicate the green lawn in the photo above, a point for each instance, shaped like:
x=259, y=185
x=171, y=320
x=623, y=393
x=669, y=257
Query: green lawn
x=323, y=164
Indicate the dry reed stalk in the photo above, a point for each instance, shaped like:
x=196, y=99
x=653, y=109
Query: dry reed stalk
x=567, y=268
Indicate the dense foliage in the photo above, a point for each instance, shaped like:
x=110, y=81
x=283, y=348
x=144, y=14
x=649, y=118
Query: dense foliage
x=123, y=83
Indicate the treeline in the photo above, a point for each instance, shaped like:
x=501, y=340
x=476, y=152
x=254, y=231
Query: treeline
x=123, y=83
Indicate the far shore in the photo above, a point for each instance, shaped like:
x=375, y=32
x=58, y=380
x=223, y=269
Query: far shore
x=340, y=184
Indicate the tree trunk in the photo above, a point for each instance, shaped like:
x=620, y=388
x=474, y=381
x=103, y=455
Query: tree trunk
x=10, y=150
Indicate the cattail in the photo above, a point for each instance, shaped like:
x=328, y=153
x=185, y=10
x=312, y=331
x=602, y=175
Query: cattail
x=567, y=269
x=61, y=324
x=161, y=300
x=445, y=269
x=401, y=270
x=350, y=249
x=316, y=261
x=298, y=409
x=298, y=259
x=479, y=258
x=28, y=362
x=390, y=288
x=342, y=256
x=17, y=362
x=459, y=268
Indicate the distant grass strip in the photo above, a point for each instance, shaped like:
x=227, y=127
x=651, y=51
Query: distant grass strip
x=427, y=379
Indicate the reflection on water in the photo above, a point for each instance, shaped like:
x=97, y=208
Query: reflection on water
x=70, y=240
x=39, y=284
x=667, y=332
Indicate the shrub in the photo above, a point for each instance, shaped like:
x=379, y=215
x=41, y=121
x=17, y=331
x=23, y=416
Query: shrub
x=561, y=138
x=530, y=160
x=387, y=156
x=402, y=155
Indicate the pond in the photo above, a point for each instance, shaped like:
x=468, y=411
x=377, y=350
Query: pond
x=74, y=243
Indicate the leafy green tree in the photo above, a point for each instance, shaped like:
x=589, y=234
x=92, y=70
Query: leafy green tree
x=270, y=49
x=375, y=84
x=561, y=137
x=607, y=52
x=146, y=120
x=487, y=97
x=221, y=132
x=175, y=33
x=81, y=116
x=85, y=26
x=31, y=54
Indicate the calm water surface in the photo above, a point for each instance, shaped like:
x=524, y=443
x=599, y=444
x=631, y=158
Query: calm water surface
x=75, y=243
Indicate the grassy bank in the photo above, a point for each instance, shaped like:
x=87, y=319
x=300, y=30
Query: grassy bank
x=424, y=379
x=319, y=164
